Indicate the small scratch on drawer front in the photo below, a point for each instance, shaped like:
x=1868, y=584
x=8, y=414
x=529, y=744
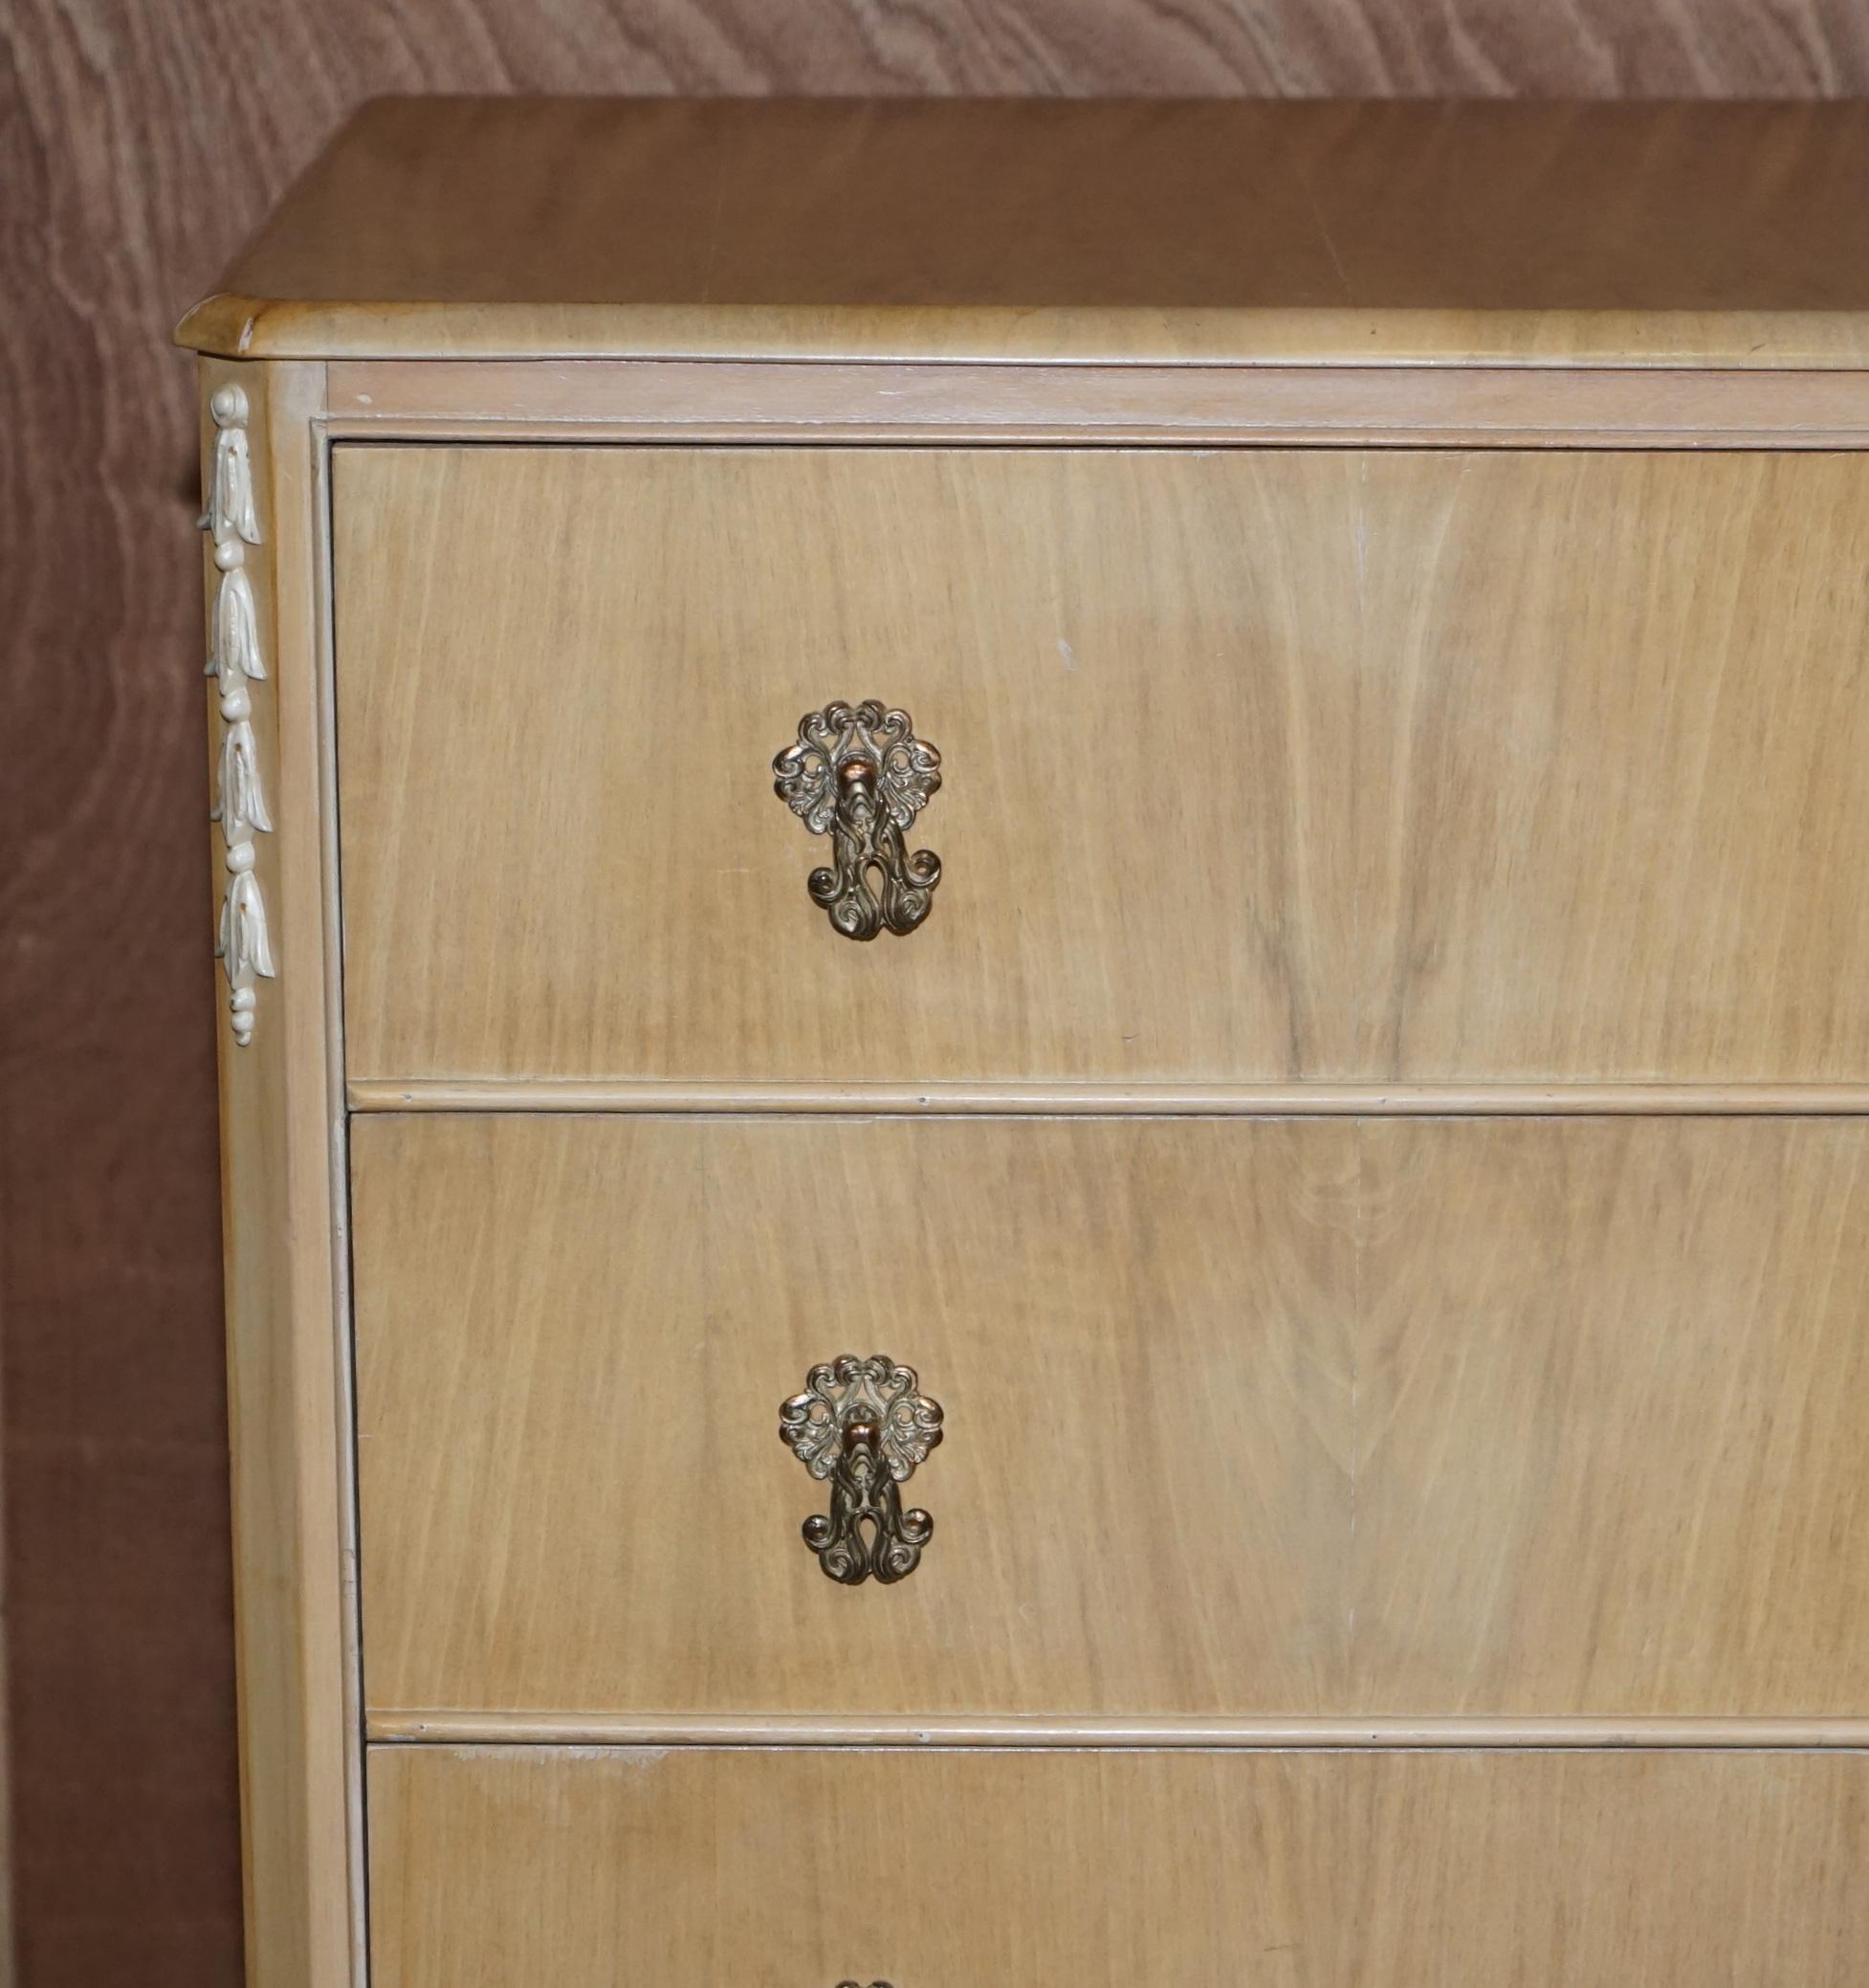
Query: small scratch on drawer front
x=634, y=1760
x=639, y=1757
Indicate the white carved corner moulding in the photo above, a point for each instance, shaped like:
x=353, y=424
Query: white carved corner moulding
x=234, y=661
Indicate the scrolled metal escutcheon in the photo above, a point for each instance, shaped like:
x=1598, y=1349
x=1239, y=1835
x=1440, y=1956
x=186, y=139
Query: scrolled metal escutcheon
x=863, y=1425
x=859, y=775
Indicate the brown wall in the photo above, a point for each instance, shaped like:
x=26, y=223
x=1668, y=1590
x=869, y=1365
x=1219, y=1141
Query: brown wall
x=139, y=141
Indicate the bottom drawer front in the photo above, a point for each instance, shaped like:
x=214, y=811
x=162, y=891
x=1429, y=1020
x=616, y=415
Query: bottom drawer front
x=513, y=1868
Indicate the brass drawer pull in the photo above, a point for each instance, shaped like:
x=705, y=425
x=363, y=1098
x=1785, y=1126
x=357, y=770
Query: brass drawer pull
x=859, y=1984
x=860, y=775
x=863, y=1424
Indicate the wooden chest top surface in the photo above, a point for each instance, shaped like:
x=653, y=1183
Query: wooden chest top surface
x=513, y=227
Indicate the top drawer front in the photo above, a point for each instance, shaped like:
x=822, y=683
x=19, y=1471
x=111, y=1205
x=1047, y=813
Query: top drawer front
x=1258, y=764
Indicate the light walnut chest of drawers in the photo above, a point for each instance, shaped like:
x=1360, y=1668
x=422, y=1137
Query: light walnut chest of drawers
x=1361, y=1137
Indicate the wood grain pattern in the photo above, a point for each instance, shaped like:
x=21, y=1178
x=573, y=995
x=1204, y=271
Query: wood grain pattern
x=1506, y=1418
x=137, y=146
x=1605, y=789
x=1735, y=233
x=585, y=1868
x=1101, y=1271
x=1259, y=765
x=1602, y=1451
x=1093, y=809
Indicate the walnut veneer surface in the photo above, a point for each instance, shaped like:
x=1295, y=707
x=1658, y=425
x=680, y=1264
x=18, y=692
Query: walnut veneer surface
x=1260, y=765
x=1263, y=1417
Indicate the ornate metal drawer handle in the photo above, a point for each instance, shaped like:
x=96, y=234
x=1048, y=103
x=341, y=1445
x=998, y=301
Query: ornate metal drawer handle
x=863, y=1424
x=860, y=775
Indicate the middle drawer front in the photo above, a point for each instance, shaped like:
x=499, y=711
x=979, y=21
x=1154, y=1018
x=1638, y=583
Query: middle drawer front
x=1510, y=1417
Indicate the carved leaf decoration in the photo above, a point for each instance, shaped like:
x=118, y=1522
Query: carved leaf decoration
x=242, y=942
x=231, y=511
x=244, y=945
x=233, y=640
x=239, y=803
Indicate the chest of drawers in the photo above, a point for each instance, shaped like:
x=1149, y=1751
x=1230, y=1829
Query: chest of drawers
x=1315, y=1257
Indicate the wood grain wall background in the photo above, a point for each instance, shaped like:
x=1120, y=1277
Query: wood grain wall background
x=139, y=141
